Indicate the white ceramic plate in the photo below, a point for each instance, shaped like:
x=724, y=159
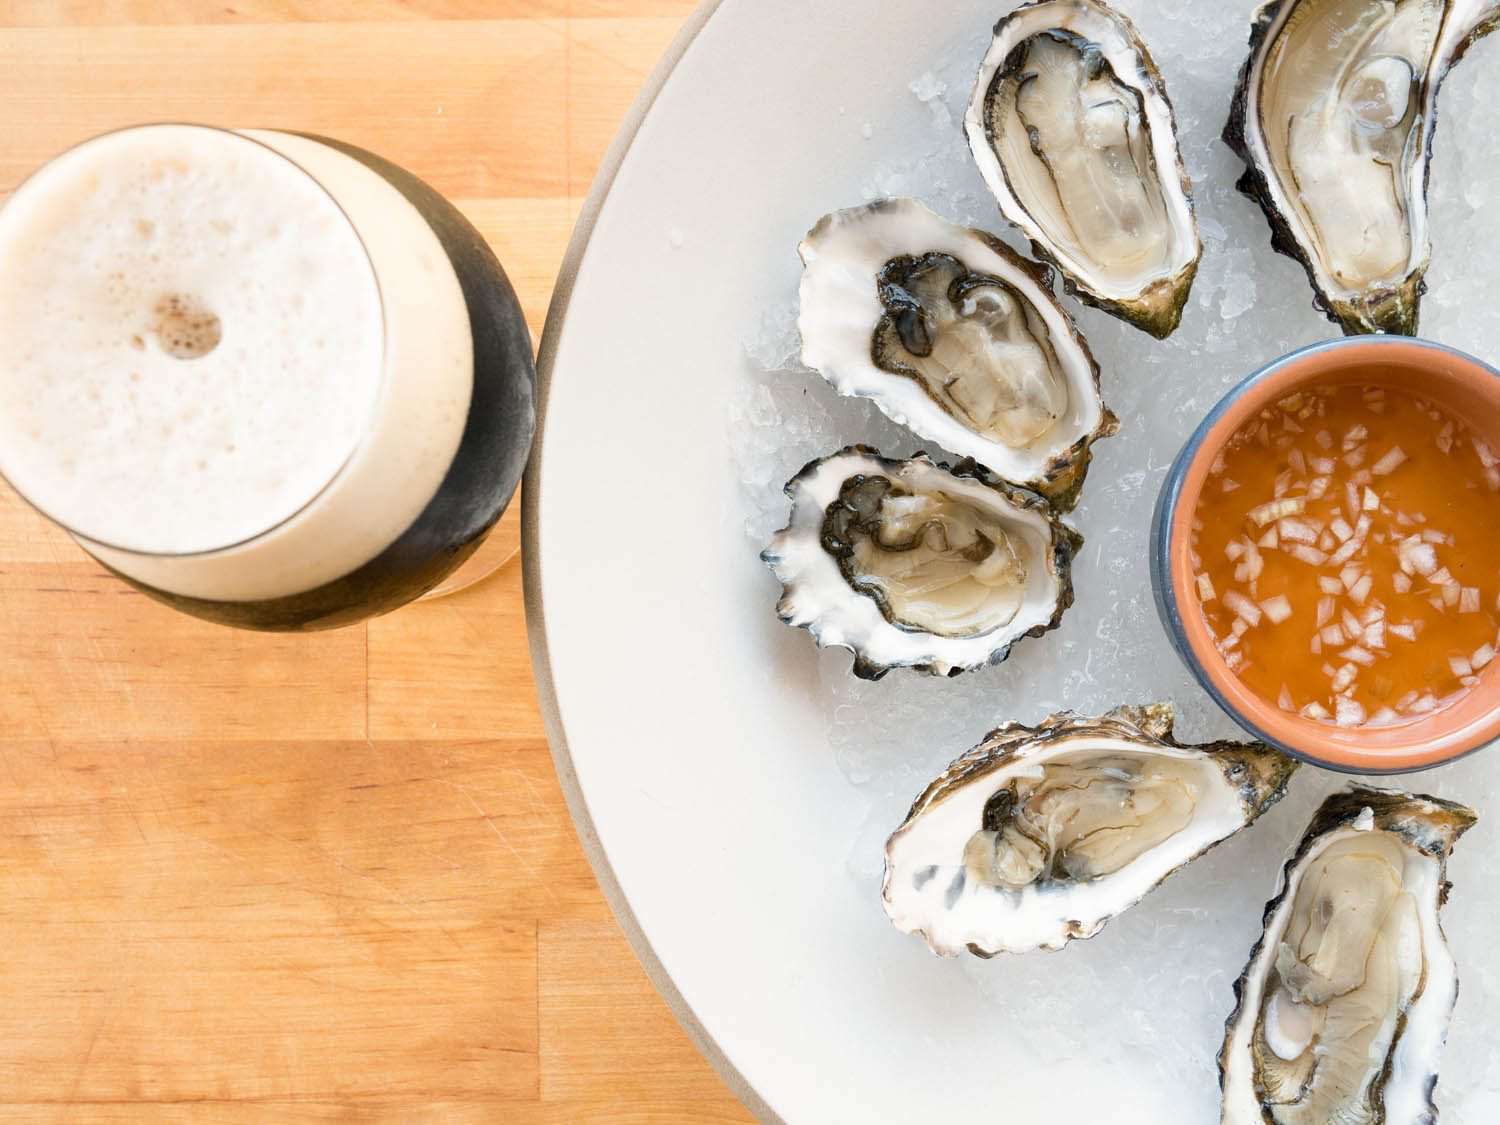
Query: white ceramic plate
x=732, y=790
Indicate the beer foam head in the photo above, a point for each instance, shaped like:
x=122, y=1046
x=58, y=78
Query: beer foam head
x=191, y=339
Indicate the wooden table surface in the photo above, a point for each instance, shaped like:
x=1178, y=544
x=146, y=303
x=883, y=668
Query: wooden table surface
x=257, y=878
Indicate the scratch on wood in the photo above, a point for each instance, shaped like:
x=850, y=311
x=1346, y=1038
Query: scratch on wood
x=125, y=796
x=526, y=866
x=88, y=1052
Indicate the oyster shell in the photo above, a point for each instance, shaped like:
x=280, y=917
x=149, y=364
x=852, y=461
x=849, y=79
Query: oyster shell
x=1072, y=130
x=1041, y=835
x=912, y=565
x=1334, y=118
x=956, y=336
x=1344, y=1006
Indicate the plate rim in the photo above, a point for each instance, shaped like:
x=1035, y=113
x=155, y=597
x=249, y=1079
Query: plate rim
x=531, y=568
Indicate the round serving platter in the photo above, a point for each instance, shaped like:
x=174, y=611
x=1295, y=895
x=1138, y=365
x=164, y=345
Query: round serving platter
x=733, y=785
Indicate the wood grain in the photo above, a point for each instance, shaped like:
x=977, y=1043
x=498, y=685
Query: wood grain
x=327, y=878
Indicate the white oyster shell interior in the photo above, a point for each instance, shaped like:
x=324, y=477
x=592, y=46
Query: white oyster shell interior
x=1091, y=823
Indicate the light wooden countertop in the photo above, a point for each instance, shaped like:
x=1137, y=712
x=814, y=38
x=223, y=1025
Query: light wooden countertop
x=252, y=878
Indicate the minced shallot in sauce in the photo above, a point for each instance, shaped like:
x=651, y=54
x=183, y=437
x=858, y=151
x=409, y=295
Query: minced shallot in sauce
x=1346, y=554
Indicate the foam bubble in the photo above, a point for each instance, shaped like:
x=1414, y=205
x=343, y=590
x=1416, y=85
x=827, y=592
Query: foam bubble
x=184, y=329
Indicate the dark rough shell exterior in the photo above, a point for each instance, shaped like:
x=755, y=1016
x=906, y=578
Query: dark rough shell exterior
x=1158, y=310
x=1260, y=772
x=1065, y=544
x=1394, y=310
x=1429, y=824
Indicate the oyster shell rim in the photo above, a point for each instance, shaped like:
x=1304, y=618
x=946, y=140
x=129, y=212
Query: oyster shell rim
x=1143, y=310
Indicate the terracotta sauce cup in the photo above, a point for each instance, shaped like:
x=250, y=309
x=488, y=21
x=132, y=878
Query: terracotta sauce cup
x=1463, y=385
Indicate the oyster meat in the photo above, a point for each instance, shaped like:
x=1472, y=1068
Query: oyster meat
x=1041, y=835
x=954, y=335
x=1344, y=1005
x=1334, y=118
x=912, y=565
x=1072, y=130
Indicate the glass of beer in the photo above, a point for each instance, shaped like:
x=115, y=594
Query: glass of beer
x=269, y=379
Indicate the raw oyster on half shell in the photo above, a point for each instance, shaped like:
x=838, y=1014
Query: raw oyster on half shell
x=1041, y=835
x=955, y=336
x=1344, y=1006
x=1072, y=129
x=1334, y=118
x=910, y=564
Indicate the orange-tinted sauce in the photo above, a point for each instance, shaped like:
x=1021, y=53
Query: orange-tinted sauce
x=1347, y=548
